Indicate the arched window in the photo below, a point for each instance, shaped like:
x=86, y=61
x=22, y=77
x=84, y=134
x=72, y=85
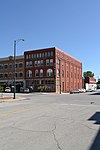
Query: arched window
x=36, y=73
x=41, y=72
x=49, y=72
x=29, y=74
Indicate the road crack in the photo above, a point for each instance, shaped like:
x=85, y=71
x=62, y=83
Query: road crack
x=57, y=143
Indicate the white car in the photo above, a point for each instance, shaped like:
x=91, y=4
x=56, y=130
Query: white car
x=7, y=89
x=82, y=90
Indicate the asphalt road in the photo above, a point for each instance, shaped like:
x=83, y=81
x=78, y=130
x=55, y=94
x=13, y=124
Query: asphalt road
x=51, y=122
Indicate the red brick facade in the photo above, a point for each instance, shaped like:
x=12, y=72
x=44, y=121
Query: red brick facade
x=52, y=69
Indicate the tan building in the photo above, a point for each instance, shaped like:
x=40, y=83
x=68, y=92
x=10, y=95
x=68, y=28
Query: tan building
x=7, y=71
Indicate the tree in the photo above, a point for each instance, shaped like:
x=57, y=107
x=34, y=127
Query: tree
x=88, y=74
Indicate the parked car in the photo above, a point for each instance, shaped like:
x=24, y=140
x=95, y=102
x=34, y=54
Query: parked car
x=24, y=90
x=74, y=91
x=82, y=90
x=8, y=89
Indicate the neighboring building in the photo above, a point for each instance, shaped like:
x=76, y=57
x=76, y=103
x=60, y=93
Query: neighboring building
x=7, y=71
x=90, y=83
x=51, y=69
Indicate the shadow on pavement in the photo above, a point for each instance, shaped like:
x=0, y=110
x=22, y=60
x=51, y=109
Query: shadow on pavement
x=97, y=93
x=96, y=142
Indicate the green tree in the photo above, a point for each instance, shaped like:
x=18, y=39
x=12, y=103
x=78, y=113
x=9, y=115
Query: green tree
x=88, y=74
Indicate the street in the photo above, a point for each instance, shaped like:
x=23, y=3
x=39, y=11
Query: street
x=51, y=122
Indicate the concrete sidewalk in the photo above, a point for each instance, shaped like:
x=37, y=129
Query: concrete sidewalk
x=8, y=98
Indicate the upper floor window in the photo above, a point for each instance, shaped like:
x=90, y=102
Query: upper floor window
x=5, y=75
x=47, y=62
x=62, y=73
x=20, y=65
x=1, y=75
x=41, y=72
x=41, y=62
x=51, y=53
x=26, y=56
x=36, y=73
x=30, y=56
x=49, y=72
x=51, y=61
x=45, y=54
x=20, y=74
x=29, y=64
x=16, y=74
x=10, y=75
x=34, y=56
x=48, y=54
x=58, y=61
x=5, y=66
x=16, y=65
x=62, y=63
x=29, y=74
x=58, y=73
x=1, y=66
x=42, y=55
x=71, y=74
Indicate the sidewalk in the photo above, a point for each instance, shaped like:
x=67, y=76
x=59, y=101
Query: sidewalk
x=9, y=98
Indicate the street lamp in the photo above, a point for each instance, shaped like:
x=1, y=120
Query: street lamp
x=15, y=43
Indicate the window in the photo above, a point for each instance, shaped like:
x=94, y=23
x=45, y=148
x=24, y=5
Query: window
x=37, y=55
x=20, y=65
x=29, y=64
x=35, y=63
x=42, y=55
x=41, y=62
x=58, y=61
x=71, y=74
x=62, y=73
x=51, y=53
x=45, y=54
x=58, y=73
x=34, y=55
x=5, y=75
x=49, y=72
x=29, y=74
x=16, y=74
x=48, y=54
x=36, y=73
x=47, y=62
x=67, y=74
x=20, y=74
x=5, y=66
x=51, y=62
x=1, y=66
x=38, y=62
x=26, y=56
x=30, y=56
x=41, y=72
x=1, y=75
x=62, y=63
x=10, y=75
x=16, y=65
x=75, y=75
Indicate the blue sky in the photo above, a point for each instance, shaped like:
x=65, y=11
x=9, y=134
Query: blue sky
x=70, y=25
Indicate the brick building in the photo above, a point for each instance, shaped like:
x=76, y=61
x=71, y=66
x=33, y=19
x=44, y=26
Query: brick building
x=51, y=69
x=7, y=71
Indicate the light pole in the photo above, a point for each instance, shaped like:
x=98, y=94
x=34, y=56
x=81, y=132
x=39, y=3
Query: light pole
x=15, y=42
